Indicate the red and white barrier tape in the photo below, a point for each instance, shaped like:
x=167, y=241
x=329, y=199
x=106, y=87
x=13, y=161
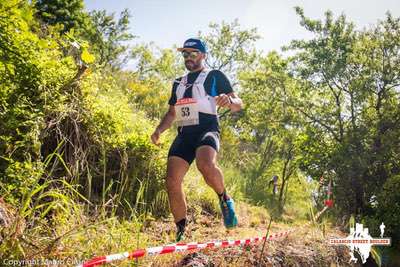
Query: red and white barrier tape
x=177, y=248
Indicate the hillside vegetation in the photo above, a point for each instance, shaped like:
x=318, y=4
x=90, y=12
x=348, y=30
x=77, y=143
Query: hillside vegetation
x=79, y=176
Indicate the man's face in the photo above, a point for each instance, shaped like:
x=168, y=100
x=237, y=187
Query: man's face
x=193, y=59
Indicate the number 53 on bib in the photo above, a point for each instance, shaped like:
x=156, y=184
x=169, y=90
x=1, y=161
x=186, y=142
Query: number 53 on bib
x=187, y=112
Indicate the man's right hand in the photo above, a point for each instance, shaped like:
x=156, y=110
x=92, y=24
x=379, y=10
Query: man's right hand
x=156, y=136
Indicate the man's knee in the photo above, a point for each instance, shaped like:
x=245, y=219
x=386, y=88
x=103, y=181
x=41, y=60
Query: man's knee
x=205, y=167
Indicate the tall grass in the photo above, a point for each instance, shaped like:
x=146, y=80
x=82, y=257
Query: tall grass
x=54, y=211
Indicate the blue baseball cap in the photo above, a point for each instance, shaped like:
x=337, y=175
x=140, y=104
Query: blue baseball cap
x=194, y=44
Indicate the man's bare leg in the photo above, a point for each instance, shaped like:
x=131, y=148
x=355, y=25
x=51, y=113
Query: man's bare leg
x=176, y=170
x=206, y=161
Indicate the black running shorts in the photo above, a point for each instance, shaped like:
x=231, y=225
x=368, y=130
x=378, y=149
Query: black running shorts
x=185, y=145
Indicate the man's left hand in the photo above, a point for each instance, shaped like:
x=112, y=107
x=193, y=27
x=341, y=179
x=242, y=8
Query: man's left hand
x=223, y=100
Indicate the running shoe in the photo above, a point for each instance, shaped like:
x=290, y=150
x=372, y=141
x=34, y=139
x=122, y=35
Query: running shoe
x=228, y=212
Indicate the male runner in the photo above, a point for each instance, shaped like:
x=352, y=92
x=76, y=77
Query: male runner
x=193, y=104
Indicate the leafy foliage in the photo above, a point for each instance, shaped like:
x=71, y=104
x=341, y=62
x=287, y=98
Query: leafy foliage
x=109, y=37
x=69, y=14
x=75, y=125
x=231, y=49
x=348, y=95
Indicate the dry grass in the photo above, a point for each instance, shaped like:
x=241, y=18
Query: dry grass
x=306, y=247
x=80, y=237
x=85, y=238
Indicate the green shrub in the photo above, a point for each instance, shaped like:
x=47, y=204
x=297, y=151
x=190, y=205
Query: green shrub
x=388, y=211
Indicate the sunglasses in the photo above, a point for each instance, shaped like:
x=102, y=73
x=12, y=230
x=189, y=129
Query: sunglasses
x=191, y=54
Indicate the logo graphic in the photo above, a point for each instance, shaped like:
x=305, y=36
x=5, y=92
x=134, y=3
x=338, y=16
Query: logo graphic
x=360, y=241
x=190, y=43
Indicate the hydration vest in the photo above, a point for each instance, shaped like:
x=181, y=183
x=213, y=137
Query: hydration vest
x=206, y=103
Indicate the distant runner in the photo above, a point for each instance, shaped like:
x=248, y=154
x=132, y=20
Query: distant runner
x=193, y=104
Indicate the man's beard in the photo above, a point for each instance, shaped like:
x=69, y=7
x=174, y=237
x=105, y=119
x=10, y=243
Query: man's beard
x=191, y=65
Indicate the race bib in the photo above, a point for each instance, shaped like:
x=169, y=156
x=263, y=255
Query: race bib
x=187, y=112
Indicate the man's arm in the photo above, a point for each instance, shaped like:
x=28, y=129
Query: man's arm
x=236, y=102
x=226, y=96
x=230, y=100
x=165, y=123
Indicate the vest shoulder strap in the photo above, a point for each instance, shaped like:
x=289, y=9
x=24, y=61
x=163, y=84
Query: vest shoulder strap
x=202, y=76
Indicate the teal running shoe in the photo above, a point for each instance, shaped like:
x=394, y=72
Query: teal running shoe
x=180, y=236
x=228, y=212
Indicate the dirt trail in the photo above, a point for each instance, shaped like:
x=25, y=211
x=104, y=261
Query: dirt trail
x=307, y=246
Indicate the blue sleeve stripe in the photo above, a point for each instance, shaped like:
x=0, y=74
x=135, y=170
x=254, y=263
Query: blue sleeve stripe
x=213, y=89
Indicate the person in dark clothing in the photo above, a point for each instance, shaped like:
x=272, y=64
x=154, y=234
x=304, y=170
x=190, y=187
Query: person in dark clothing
x=193, y=105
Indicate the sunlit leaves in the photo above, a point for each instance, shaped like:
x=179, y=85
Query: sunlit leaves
x=87, y=57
